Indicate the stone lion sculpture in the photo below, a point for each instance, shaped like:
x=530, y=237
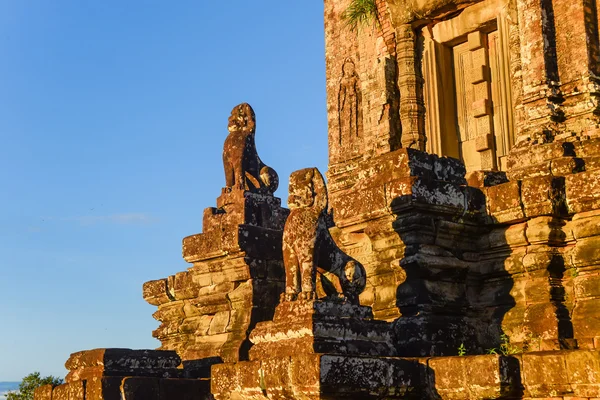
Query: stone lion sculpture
x=314, y=265
x=243, y=167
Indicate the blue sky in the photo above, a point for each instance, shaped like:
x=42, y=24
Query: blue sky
x=112, y=121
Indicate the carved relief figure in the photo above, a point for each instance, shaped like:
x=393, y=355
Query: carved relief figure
x=349, y=99
x=243, y=168
x=309, y=253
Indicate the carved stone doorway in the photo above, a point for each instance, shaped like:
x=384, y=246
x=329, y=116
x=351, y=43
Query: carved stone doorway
x=467, y=88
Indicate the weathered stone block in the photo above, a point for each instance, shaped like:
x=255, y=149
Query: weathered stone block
x=587, y=286
x=586, y=224
x=504, y=202
x=320, y=376
x=121, y=362
x=546, y=230
x=583, y=369
x=531, y=156
x=513, y=235
x=184, y=286
x=203, y=246
x=260, y=243
x=464, y=377
x=224, y=380
x=320, y=327
x=585, y=318
x=545, y=373
x=102, y=388
x=156, y=292
x=276, y=376
x=586, y=252
x=69, y=391
x=43, y=392
x=135, y=388
x=542, y=321
x=219, y=323
x=583, y=191
x=540, y=260
x=543, y=196
x=185, y=389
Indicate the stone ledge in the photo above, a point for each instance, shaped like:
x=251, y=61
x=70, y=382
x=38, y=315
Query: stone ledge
x=552, y=374
x=122, y=362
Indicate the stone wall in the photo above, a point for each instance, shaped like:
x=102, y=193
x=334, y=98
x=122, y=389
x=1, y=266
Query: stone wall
x=507, y=237
x=440, y=278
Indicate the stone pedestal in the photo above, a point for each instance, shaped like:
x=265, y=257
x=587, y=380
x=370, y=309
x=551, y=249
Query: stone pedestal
x=237, y=276
x=301, y=327
x=311, y=349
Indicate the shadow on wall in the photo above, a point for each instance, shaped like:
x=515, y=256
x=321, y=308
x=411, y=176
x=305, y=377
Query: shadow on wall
x=456, y=290
x=487, y=277
x=454, y=295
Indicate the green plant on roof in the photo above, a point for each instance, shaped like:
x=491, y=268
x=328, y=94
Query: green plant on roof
x=361, y=13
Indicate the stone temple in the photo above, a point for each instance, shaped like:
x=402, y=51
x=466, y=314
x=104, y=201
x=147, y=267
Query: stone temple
x=454, y=252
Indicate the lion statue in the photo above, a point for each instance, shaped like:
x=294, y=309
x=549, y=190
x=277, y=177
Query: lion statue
x=315, y=267
x=243, y=167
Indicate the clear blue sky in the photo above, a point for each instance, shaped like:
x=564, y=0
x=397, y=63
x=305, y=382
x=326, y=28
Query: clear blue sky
x=112, y=121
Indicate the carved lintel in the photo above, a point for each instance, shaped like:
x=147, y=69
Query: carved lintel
x=410, y=83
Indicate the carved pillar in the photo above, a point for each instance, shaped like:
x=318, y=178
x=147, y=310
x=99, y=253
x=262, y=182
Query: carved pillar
x=542, y=97
x=410, y=83
x=578, y=60
x=515, y=69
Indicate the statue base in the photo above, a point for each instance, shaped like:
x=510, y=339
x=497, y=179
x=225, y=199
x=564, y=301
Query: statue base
x=321, y=326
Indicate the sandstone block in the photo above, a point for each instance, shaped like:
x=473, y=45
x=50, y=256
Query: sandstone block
x=586, y=323
x=543, y=196
x=583, y=191
x=121, y=362
x=69, y=391
x=43, y=392
x=586, y=252
x=542, y=321
x=135, y=388
x=541, y=153
x=320, y=376
x=203, y=246
x=586, y=224
x=225, y=380
x=156, y=292
x=583, y=369
x=513, y=235
x=545, y=230
x=184, y=286
x=545, y=373
x=219, y=323
x=463, y=377
x=184, y=389
x=504, y=202
x=587, y=286
x=102, y=388
x=259, y=242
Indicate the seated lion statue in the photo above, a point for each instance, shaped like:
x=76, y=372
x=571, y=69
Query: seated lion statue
x=315, y=266
x=243, y=167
